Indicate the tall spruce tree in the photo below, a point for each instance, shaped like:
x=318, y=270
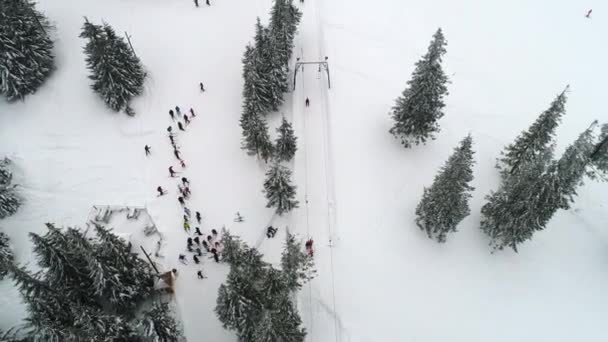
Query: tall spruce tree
x=284, y=20
x=279, y=191
x=285, y=146
x=9, y=199
x=116, y=72
x=527, y=200
x=255, y=299
x=89, y=289
x=257, y=92
x=297, y=265
x=446, y=202
x=538, y=138
x=256, y=139
x=158, y=324
x=6, y=255
x=26, y=50
x=599, y=157
x=420, y=106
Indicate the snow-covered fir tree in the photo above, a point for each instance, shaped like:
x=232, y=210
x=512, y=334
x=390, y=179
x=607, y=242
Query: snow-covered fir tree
x=256, y=139
x=599, y=157
x=116, y=72
x=296, y=264
x=284, y=21
x=26, y=50
x=285, y=146
x=446, y=202
x=89, y=288
x=510, y=215
x=9, y=199
x=567, y=174
x=257, y=92
x=538, y=138
x=158, y=324
x=420, y=106
x=528, y=199
x=269, y=67
x=279, y=190
x=6, y=255
x=255, y=299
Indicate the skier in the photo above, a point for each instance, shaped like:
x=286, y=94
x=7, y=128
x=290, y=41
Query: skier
x=198, y=217
x=187, y=192
x=189, y=248
x=177, y=110
x=202, y=87
x=172, y=139
x=186, y=120
x=198, y=252
x=182, y=163
x=176, y=153
x=307, y=102
x=160, y=191
x=271, y=232
x=206, y=245
x=189, y=241
x=187, y=211
x=214, y=232
x=172, y=114
x=196, y=239
x=180, y=126
x=309, y=249
x=588, y=15
x=208, y=4
x=186, y=226
x=186, y=218
x=182, y=258
x=185, y=181
x=169, y=129
x=209, y=238
x=147, y=149
x=200, y=274
x=196, y=260
x=192, y=112
x=198, y=231
x=215, y=256
x=238, y=217
x=196, y=3
x=171, y=172
x=181, y=200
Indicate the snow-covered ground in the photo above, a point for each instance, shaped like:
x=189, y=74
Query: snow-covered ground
x=381, y=279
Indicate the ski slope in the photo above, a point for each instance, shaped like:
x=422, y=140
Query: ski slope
x=380, y=278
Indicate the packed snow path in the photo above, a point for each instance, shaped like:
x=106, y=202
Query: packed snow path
x=313, y=175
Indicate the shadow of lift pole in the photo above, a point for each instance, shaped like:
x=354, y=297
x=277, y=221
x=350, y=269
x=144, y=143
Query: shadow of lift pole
x=300, y=65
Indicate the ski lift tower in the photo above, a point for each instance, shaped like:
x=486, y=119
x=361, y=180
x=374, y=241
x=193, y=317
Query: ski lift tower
x=322, y=66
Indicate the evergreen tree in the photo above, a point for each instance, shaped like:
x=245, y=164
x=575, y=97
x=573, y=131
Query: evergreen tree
x=116, y=72
x=159, y=326
x=537, y=138
x=6, y=255
x=599, y=157
x=89, y=289
x=284, y=20
x=286, y=142
x=279, y=190
x=255, y=300
x=297, y=266
x=257, y=92
x=528, y=200
x=26, y=51
x=269, y=68
x=445, y=203
x=420, y=106
x=9, y=200
x=256, y=139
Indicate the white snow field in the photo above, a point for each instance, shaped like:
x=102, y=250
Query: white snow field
x=380, y=278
